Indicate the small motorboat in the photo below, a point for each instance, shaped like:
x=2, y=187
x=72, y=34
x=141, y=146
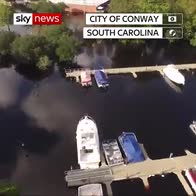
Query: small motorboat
x=101, y=79
x=191, y=176
x=193, y=127
x=173, y=74
x=90, y=190
x=85, y=78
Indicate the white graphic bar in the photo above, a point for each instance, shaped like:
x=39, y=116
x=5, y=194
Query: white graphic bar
x=122, y=32
x=124, y=19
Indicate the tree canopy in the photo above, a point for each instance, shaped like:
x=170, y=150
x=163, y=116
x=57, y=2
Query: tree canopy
x=66, y=47
x=31, y=49
x=187, y=7
x=6, y=39
x=47, y=7
x=53, y=32
x=6, y=14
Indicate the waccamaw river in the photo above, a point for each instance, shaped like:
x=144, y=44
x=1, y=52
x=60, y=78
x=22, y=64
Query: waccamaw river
x=43, y=115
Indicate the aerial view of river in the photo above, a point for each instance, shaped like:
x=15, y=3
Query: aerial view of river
x=39, y=117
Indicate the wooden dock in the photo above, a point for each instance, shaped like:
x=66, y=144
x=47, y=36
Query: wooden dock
x=131, y=70
x=141, y=170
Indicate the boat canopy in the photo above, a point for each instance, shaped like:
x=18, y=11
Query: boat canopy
x=131, y=147
x=85, y=76
x=101, y=77
x=90, y=190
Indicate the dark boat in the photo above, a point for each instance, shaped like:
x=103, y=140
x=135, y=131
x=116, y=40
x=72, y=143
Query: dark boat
x=101, y=79
x=131, y=147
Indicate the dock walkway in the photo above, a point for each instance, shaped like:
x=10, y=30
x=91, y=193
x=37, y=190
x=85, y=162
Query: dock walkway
x=141, y=170
x=132, y=70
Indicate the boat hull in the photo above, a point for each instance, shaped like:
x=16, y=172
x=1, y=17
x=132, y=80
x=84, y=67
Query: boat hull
x=101, y=79
x=88, y=149
x=131, y=147
x=90, y=189
x=192, y=129
x=112, y=153
x=174, y=75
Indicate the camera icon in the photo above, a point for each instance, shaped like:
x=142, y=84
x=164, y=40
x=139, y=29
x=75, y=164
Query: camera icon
x=172, y=19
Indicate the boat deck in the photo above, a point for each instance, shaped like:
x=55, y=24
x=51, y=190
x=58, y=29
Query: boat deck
x=112, y=152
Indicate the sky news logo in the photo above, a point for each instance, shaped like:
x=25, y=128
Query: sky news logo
x=37, y=19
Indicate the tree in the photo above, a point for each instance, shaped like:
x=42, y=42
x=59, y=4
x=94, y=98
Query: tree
x=67, y=47
x=48, y=7
x=44, y=63
x=53, y=32
x=154, y=6
x=6, y=14
x=188, y=8
x=30, y=49
x=125, y=6
x=8, y=190
x=6, y=39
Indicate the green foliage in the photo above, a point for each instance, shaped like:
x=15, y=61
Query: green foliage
x=123, y=6
x=53, y=32
x=44, y=63
x=6, y=14
x=6, y=39
x=47, y=7
x=30, y=48
x=66, y=48
x=187, y=7
x=8, y=190
x=154, y=6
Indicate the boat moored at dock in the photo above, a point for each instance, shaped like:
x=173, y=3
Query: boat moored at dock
x=131, y=147
x=85, y=78
x=101, y=78
x=174, y=75
x=193, y=127
x=88, y=148
x=90, y=190
x=191, y=176
x=112, y=152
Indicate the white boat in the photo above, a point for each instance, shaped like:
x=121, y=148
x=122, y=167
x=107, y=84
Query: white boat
x=88, y=143
x=173, y=74
x=193, y=127
x=175, y=87
x=90, y=190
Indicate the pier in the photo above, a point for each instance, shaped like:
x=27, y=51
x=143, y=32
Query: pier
x=143, y=170
x=131, y=70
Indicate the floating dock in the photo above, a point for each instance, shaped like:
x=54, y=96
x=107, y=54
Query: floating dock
x=131, y=70
x=141, y=170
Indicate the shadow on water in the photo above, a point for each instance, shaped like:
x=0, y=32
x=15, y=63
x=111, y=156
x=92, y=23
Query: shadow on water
x=154, y=52
x=31, y=73
x=159, y=185
x=17, y=135
x=133, y=186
